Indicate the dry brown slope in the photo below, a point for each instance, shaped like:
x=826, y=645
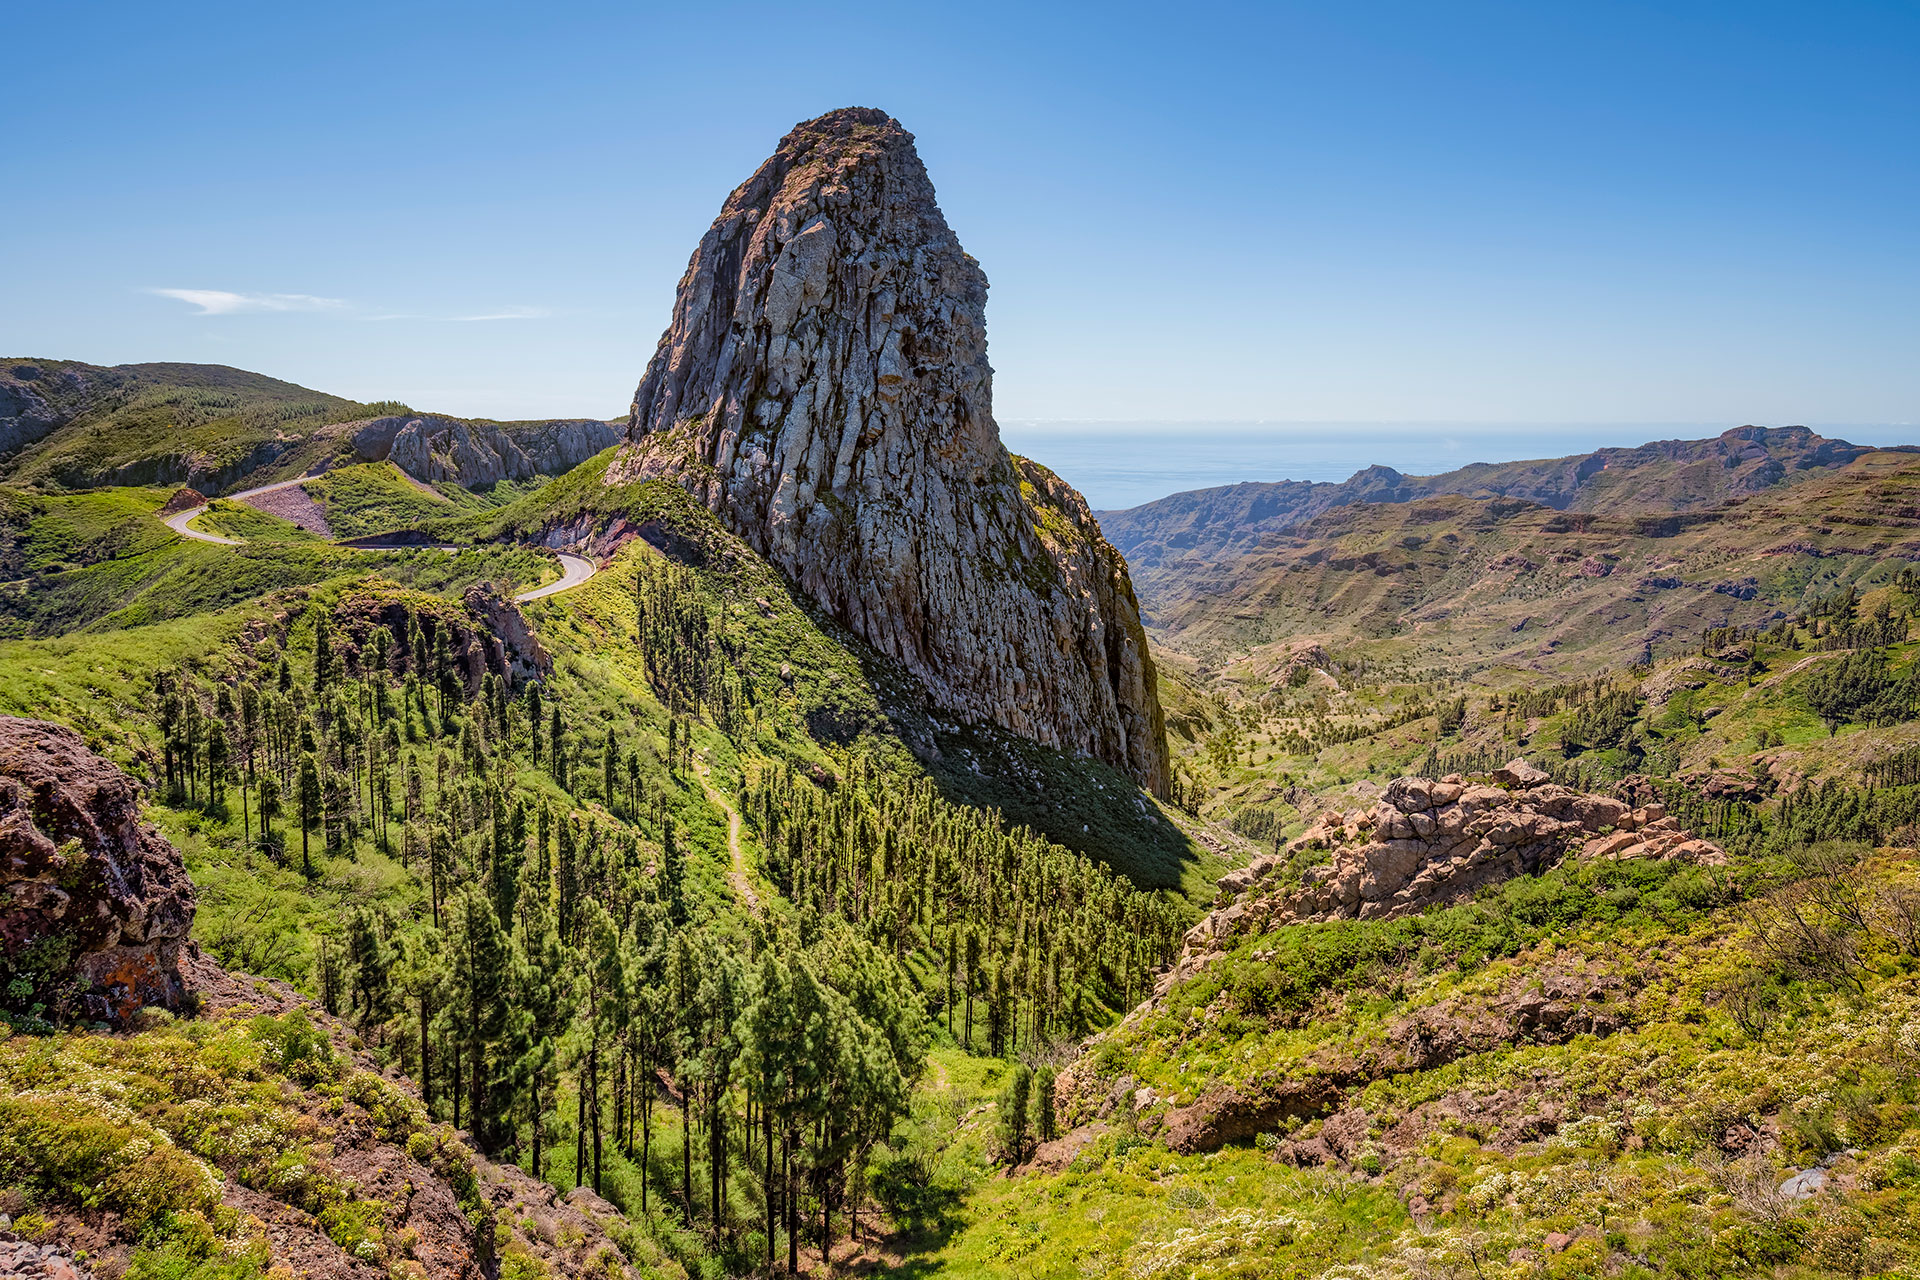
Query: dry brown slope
x=1475, y=580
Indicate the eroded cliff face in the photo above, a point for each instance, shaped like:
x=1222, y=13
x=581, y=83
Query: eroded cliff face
x=824, y=389
x=436, y=449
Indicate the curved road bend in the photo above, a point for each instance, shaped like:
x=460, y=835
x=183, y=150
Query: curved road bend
x=574, y=569
x=178, y=521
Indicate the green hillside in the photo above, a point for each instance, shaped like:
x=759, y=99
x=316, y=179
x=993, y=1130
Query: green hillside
x=718, y=844
x=701, y=759
x=82, y=426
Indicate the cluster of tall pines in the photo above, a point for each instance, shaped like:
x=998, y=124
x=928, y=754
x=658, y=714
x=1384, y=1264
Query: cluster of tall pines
x=560, y=988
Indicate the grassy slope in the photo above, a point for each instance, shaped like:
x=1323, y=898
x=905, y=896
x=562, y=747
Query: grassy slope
x=373, y=497
x=102, y=560
x=844, y=693
x=154, y=423
x=1129, y=1203
x=265, y=917
x=1619, y=1141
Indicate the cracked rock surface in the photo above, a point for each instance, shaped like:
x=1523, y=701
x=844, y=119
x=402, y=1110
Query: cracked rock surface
x=94, y=904
x=1430, y=843
x=824, y=389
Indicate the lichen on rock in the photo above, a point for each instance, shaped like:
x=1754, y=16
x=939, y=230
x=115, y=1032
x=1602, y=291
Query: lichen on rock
x=824, y=388
x=1433, y=842
x=94, y=904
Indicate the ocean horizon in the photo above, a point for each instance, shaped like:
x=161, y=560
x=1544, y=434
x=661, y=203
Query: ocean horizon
x=1117, y=465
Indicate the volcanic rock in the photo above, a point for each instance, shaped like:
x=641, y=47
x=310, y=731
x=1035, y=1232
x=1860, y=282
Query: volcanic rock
x=25, y=415
x=94, y=904
x=437, y=449
x=824, y=389
x=1433, y=842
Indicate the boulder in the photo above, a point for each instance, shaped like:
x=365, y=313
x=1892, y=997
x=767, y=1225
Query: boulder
x=504, y=629
x=1430, y=843
x=1519, y=774
x=94, y=904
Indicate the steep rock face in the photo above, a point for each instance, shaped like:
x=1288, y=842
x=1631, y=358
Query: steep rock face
x=94, y=904
x=25, y=415
x=435, y=449
x=824, y=388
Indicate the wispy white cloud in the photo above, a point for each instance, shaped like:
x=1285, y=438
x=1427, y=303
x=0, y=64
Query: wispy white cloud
x=220, y=302
x=511, y=313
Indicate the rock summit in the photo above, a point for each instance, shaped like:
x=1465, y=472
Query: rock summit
x=824, y=389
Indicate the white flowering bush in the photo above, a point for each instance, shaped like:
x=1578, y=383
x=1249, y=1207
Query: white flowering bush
x=1220, y=1248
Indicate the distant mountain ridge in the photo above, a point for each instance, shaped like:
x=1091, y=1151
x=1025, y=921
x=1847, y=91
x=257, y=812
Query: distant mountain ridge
x=1662, y=476
x=66, y=424
x=1469, y=580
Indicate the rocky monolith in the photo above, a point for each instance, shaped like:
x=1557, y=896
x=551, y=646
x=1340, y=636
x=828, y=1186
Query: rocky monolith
x=824, y=389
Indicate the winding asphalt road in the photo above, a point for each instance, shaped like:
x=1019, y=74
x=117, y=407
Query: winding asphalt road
x=574, y=569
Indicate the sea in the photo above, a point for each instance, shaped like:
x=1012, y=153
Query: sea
x=1123, y=464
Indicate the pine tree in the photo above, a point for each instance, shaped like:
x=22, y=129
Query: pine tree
x=534, y=719
x=650, y=1021
x=419, y=977
x=671, y=883
x=372, y=960
x=309, y=800
x=605, y=995
x=542, y=1011
x=481, y=967
x=557, y=749
x=322, y=653
x=567, y=875
x=1044, y=1126
x=504, y=884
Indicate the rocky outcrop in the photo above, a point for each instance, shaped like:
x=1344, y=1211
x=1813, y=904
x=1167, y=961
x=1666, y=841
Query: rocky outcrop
x=1431, y=843
x=485, y=633
x=25, y=1260
x=94, y=904
x=510, y=642
x=25, y=416
x=435, y=449
x=824, y=389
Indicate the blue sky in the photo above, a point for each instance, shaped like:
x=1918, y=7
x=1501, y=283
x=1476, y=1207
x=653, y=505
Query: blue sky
x=1470, y=212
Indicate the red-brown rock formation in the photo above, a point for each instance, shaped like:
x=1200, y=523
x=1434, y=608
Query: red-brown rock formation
x=94, y=904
